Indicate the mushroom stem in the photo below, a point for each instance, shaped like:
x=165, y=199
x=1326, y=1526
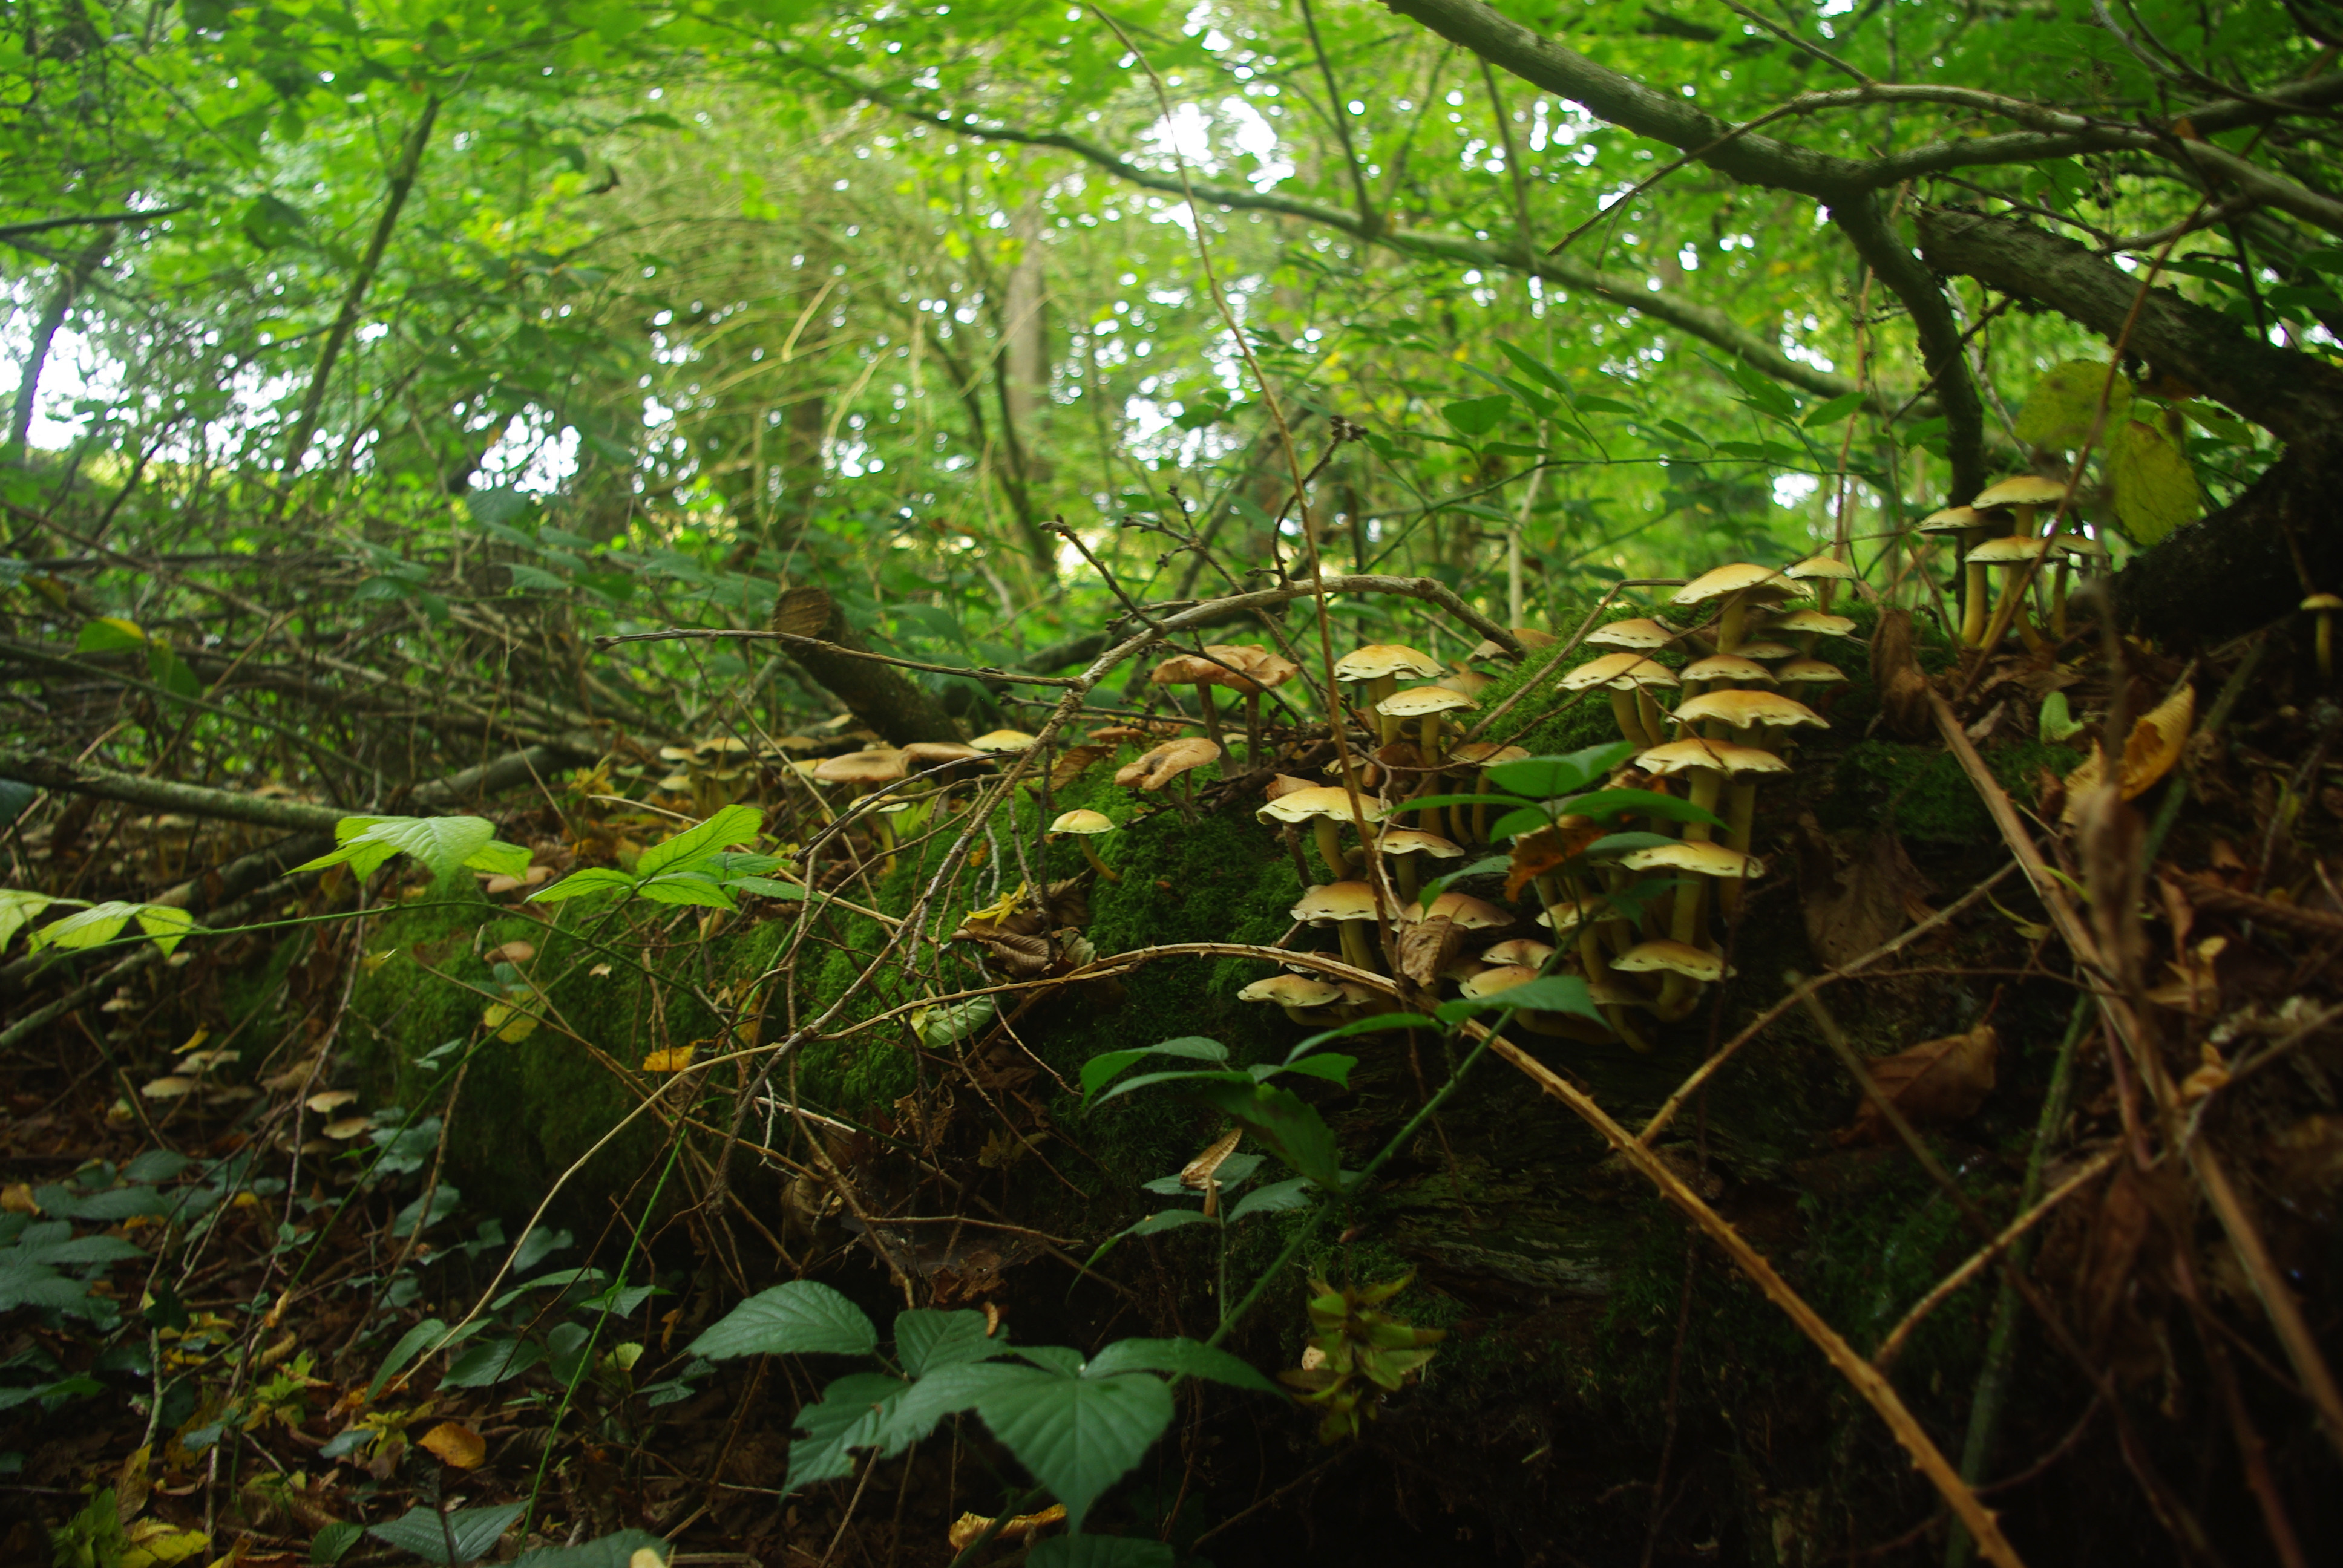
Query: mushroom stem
x=1354, y=945
x=1212, y=716
x=1741, y=814
x=1732, y=624
x=1974, y=590
x=1406, y=877
x=1101, y=866
x=2058, y=597
x=1386, y=727
x=2322, y=643
x=1330, y=847
x=1656, y=723
x=1631, y=724
x=1480, y=785
x=884, y=832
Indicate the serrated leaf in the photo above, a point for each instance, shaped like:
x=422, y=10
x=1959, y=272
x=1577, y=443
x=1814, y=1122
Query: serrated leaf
x=2059, y=410
x=799, y=1318
x=476, y=1532
x=93, y=927
x=1181, y=1357
x=851, y=1414
x=499, y=859
x=2155, y=488
x=1079, y=1435
x=927, y=1341
x=442, y=843
x=578, y=884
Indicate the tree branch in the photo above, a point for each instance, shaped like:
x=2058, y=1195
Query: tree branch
x=1941, y=343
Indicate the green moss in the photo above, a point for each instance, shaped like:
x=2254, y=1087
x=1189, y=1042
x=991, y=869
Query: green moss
x=1924, y=791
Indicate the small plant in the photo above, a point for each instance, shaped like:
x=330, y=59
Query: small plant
x=1355, y=1350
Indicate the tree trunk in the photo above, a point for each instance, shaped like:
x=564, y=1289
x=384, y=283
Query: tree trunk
x=875, y=693
x=44, y=331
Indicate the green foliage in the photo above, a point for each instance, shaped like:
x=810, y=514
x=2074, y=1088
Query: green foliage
x=445, y=845
x=1360, y=1348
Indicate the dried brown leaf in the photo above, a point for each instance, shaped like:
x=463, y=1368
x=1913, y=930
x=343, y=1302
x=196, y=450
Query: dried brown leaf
x=1425, y=948
x=2150, y=752
x=1075, y=761
x=1934, y=1083
x=1849, y=911
x=457, y=1444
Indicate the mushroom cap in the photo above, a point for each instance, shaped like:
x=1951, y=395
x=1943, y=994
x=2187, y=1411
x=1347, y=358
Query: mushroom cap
x=2008, y=550
x=1743, y=709
x=1520, y=950
x=1468, y=912
x=1497, y=978
x=1677, y=958
x=2022, y=490
x=1292, y=990
x=1158, y=768
x=1262, y=667
x=1959, y=520
x=1624, y=670
x=1820, y=567
x=1336, y=901
x=882, y=766
x=1487, y=754
x=1085, y=823
x=1188, y=669
x=1765, y=649
x=1815, y=671
x=1321, y=800
x=1418, y=700
x=675, y=753
x=1726, y=757
x=997, y=741
x=1573, y=917
x=1529, y=637
x=1819, y=622
x=1741, y=577
x=935, y=753
x=1727, y=666
x=1470, y=682
x=2078, y=545
x=1699, y=855
x=1280, y=785
x=1378, y=659
x=2324, y=601
x=1416, y=841
x=1240, y=666
x=1641, y=631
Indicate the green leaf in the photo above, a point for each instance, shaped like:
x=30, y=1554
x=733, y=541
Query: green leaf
x=1149, y=1079
x=333, y=1544
x=1291, y=1129
x=476, y=1532
x=2056, y=722
x=1179, y=1357
x=411, y=1344
x=1099, y=1069
x=499, y=859
x=2155, y=490
x=2058, y=412
x=18, y=907
x=1547, y=993
x=1100, y=1552
x=1377, y=1024
x=1277, y=1197
x=488, y=1362
x=1477, y=416
x=442, y=843
x=851, y=1415
x=1831, y=412
x=94, y=927
x=109, y=634
x=166, y=925
x=1079, y=1435
x=927, y=1341
x=1332, y=1066
x=604, y=1552
x=579, y=884
x=1155, y=1224
x=1641, y=802
x=730, y=824
x=1543, y=778
x=685, y=888
x=798, y=1318
x=114, y=1204
x=1622, y=844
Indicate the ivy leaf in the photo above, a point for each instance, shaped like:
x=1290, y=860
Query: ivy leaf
x=2155, y=490
x=1181, y=1357
x=1079, y=1435
x=793, y=1319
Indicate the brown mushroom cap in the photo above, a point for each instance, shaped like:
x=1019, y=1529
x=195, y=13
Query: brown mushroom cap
x=1292, y=990
x=1379, y=659
x=1814, y=671
x=1336, y=901
x=2008, y=550
x=999, y=740
x=1418, y=700
x=1520, y=950
x=1573, y=917
x=1640, y=632
x=1258, y=664
x=1085, y=823
x=1468, y=912
x=1280, y=785
x=1725, y=756
x=1818, y=622
x=1322, y=800
x=1820, y=567
x=1416, y=841
x=1709, y=859
x=1486, y=754
x=2023, y=490
x=1675, y=958
x=1727, y=666
x=877, y=767
x=1763, y=649
x=1498, y=978
x=1961, y=520
x=1470, y=682
x=1743, y=709
x=935, y=753
x=1158, y=768
x=1240, y=666
x=1741, y=577
x=1624, y=670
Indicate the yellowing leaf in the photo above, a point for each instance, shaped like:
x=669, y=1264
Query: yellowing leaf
x=2155, y=488
x=194, y=1040
x=154, y=1544
x=16, y=1198
x=2153, y=746
x=511, y=1025
x=457, y=1444
x=673, y=1061
x=2059, y=410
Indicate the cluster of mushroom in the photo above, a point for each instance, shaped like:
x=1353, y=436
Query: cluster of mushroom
x=1998, y=532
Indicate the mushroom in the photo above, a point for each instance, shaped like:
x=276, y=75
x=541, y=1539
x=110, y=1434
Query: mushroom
x=1325, y=806
x=1623, y=678
x=1244, y=668
x=1685, y=967
x=866, y=771
x=1481, y=755
x=1470, y=682
x=1380, y=665
x=1531, y=639
x=1809, y=623
x=1711, y=763
x=2022, y=495
x=1969, y=526
x=1638, y=633
x=1082, y=827
x=1765, y=648
x=996, y=741
x=1520, y=950
x=2012, y=553
x=1347, y=906
x=1424, y=704
x=1468, y=913
x=1732, y=589
x=926, y=754
x=1826, y=572
x=1301, y=996
x=1726, y=666
x=1170, y=760
x=1404, y=845
x=2324, y=606
x=1800, y=673
x=2072, y=547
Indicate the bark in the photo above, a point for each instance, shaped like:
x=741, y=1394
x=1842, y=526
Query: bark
x=2228, y=573
x=160, y=794
x=877, y=694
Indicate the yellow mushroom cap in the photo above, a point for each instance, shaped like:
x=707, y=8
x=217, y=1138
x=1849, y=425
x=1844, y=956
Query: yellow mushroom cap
x=935, y=753
x=1379, y=659
x=1418, y=700
x=1624, y=670
x=1640, y=632
x=1292, y=990
x=1158, y=768
x=1726, y=757
x=1520, y=950
x=1677, y=958
x=1818, y=622
x=1470, y=682
x=2008, y=550
x=1468, y=912
x=1321, y=800
x=2023, y=490
x=1766, y=649
x=1960, y=520
x=1336, y=901
x=997, y=741
x=1814, y=671
x=2323, y=601
x=1741, y=577
x=1709, y=859
x=1487, y=754
x=1743, y=709
x=1082, y=822
x=1573, y=917
x=1499, y=978
x=1416, y=841
x=1727, y=666
x=1820, y=567
x=877, y=767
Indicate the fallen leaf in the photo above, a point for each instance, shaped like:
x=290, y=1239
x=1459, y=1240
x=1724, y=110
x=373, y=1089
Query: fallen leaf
x=674, y=1060
x=968, y=1526
x=2154, y=745
x=194, y=1040
x=1076, y=761
x=16, y=1198
x=1934, y=1083
x=1535, y=854
x=513, y=953
x=331, y=1099
x=1850, y=911
x=1425, y=948
x=170, y=1088
x=457, y=1444
x=155, y=1545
